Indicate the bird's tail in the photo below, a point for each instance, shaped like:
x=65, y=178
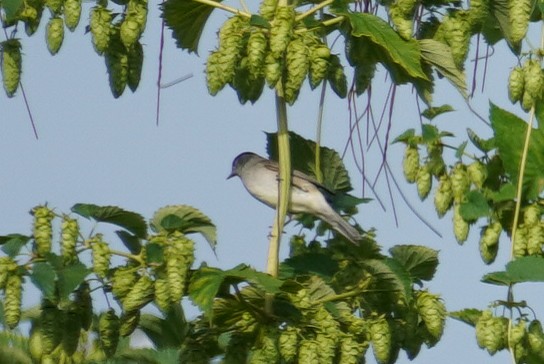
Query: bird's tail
x=342, y=226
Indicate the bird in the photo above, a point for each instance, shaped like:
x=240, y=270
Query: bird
x=260, y=178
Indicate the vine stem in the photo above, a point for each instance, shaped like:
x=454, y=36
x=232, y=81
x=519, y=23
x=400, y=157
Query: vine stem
x=224, y=7
x=313, y=10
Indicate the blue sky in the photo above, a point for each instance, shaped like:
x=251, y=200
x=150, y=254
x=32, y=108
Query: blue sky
x=95, y=149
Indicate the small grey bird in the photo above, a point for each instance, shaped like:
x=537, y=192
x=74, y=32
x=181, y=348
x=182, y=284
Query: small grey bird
x=260, y=178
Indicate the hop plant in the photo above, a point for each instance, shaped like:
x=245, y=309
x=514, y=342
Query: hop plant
x=267, y=350
x=460, y=182
x=42, y=229
x=11, y=65
x=460, y=226
x=288, y=342
x=68, y=239
x=517, y=333
x=351, y=351
x=135, y=60
x=308, y=351
x=410, y=164
x=297, y=65
x=72, y=13
x=108, y=332
x=31, y=15
x=256, y=52
x=162, y=291
x=535, y=239
x=116, y=58
x=456, y=31
x=491, y=332
x=518, y=15
x=423, y=182
x=531, y=215
x=84, y=304
x=140, y=294
x=7, y=267
x=133, y=25
x=272, y=70
x=54, y=5
x=477, y=173
x=319, y=63
x=101, y=255
x=12, y=300
x=128, y=322
x=516, y=82
x=337, y=77
x=489, y=242
x=433, y=313
x=402, y=21
x=533, y=84
x=122, y=280
x=380, y=336
x=478, y=11
x=71, y=330
x=327, y=347
x=100, y=27
x=281, y=30
x=520, y=241
x=268, y=8
x=443, y=197
x=179, y=255
x=50, y=326
x=535, y=337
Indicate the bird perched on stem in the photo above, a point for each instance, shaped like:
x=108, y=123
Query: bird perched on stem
x=260, y=178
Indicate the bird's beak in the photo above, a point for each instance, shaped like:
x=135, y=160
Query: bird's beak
x=231, y=175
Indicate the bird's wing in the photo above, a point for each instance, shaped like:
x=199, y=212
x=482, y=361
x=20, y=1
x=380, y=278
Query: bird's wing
x=299, y=178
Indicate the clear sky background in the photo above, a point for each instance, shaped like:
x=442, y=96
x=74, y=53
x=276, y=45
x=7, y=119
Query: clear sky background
x=96, y=149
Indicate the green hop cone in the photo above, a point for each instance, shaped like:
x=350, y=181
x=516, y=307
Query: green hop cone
x=266, y=349
x=433, y=313
x=443, y=197
x=72, y=13
x=162, y=292
x=267, y=8
x=7, y=267
x=101, y=255
x=489, y=242
x=337, y=77
x=272, y=70
x=319, y=64
x=477, y=173
x=135, y=64
x=456, y=28
x=423, y=182
x=215, y=79
x=517, y=333
x=519, y=13
x=533, y=84
x=256, y=52
x=461, y=228
x=179, y=255
x=42, y=229
x=531, y=215
x=403, y=22
x=51, y=326
x=128, y=322
x=12, y=300
x=460, y=182
x=32, y=15
x=54, y=5
x=410, y=164
x=535, y=338
x=327, y=347
x=11, y=65
x=108, y=332
x=516, y=84
x=134, y=22
x=84, y=303
x=380, y=336
x=520, y=241
x=100, y=27
x=71, y=330
x=535, y=239
x=478, y=11
x=491, y=332
x=288, y=343
x=122, y=280
x=308, y=351
x=141, y=294
x=68, y=239
x=297, y=64
x=54, y=34
x=351, y=351
x=281, y=30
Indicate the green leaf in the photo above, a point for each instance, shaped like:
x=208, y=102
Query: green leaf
x=11, y=8
x=154, y=253
x=468, y=315
x=507, y=192
x=390, y=275
x=474, y=206
x=406, y=137
x=485, y=145
x=131, y=242
x=500, y=10
x=524, y=269
x=510, y=138
x=430, y=133
x=419, y=261
x=317, y=264
x=432, y=112
x=439, y=55
x=12, y=243
x=402, y=53
x=70, y=277
x=185, y=219
x=259, y=21
x=128, y=220
x=461, y=150
x=206, y=282
x=167, y=332
x=43, y=276
x=186, y=19
x=333, y=172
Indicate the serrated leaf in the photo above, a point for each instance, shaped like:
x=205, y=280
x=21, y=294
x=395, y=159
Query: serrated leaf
x=468, y=315
x=474, y=206
x=167, y=332
x=510, y=138
x=128, y=220
x=186, y=19
x=185, y=219
x=485, y=145
x=11, y=8
x=439, y=55
x=70, y=277
x=334, y=174
x=131, y=242
x=406, y=137
x=402, y=53
x=432, y=112
x=43, y=276
x=207, y=281
x=390, y=275
x=507, y=192
x=419, y=261
x=429, y=133
x=12, y=243
x=460, y=151
x=523, y=269
x=317, y=264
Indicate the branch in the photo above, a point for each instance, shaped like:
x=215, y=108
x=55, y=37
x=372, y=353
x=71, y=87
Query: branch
x=230, y=9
